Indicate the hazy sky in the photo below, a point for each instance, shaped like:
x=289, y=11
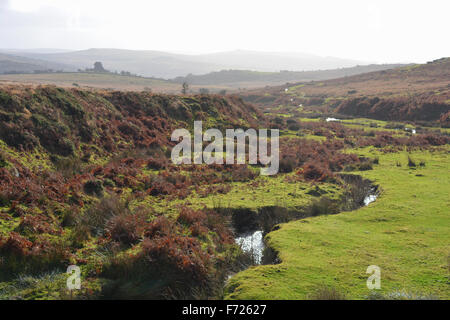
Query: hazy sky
x=381, y=30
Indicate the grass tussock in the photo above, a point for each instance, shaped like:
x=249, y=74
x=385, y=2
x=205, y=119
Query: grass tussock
x=327, y=293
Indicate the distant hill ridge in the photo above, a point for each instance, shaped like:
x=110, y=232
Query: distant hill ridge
x=170, y=65
x=238, y=76
x=11, y=63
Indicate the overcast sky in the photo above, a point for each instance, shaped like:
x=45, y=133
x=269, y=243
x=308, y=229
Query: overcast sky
x=380, y=31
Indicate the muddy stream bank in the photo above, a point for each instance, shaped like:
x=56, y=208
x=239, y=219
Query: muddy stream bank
x=250, y=226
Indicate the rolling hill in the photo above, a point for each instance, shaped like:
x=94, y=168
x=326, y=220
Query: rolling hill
x=419, y=92
x=110, y=81
x=169, y=65
x=10, y=63
x=229, y=80
x=246, y=78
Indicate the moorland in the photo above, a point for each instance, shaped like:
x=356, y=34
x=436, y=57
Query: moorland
x=86, y=179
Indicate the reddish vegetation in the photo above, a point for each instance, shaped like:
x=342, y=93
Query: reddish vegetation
x=22, y=255
x=15, y=245
x=166, y=252
x=127, y=228
x=60, y=119
x=319, y=160
x=423, y=107
x=109, y=151
x=169, y=254
x=181, y=257
x=316, y=172
x=73, y=194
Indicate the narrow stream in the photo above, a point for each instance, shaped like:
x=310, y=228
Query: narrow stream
x=370, y=198
x=253, y=241
x=413, y=131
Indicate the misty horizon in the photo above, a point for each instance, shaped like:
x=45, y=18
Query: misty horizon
x=373, y=31
x=194, y=53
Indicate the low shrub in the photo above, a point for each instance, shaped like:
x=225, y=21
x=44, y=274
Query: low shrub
x=287, y=165
x=242, y=173
x=160, y=186
x=19, y=255
x=157, y=163
x=127, y=228
x=271, y=216
x=364, y=166
x=98, y=215
x=167, y=265
x=68, y=166
x=189, y=216
x=30, y=224
x=159, y=227
x=316, y=172
x=93, y=187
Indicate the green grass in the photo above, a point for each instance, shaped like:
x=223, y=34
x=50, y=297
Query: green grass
x=271, y=191
x=46, y=286
x=365, y=124
x=406, y=232
x=301, y=134
x=263, y=191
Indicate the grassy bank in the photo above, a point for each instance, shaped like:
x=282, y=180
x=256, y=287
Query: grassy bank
x=405, y=232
